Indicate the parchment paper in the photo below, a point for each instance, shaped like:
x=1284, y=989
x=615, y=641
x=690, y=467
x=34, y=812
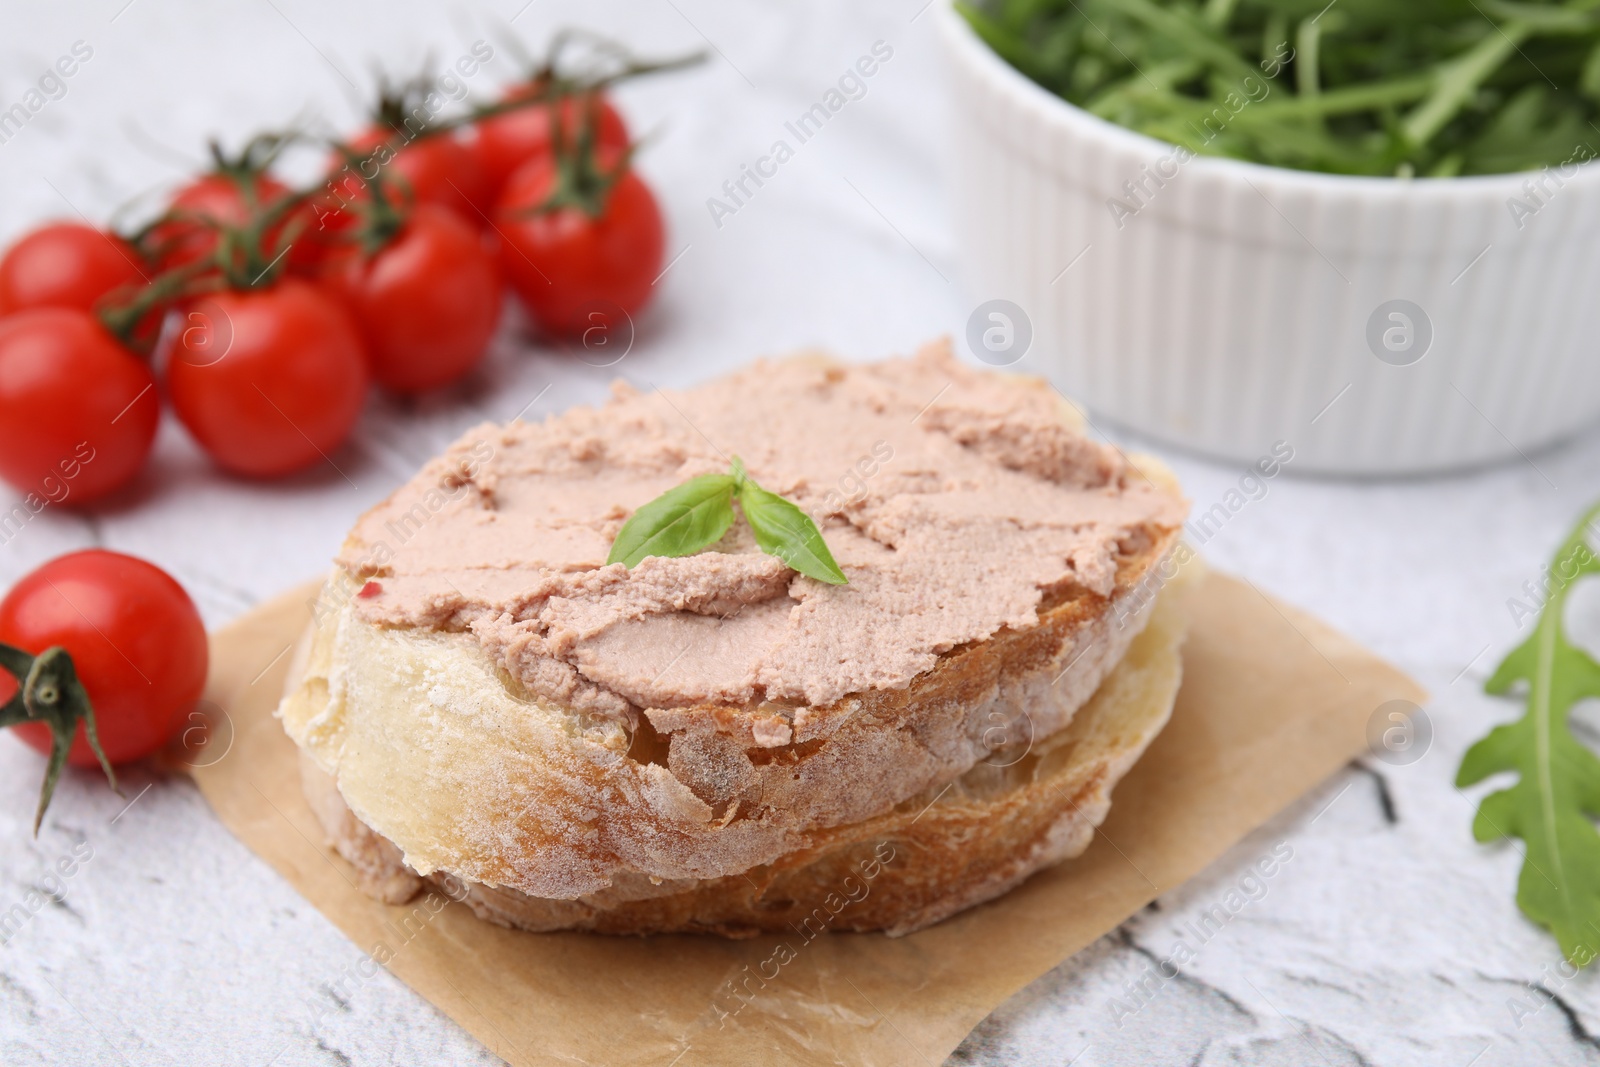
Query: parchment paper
x=1273, y=701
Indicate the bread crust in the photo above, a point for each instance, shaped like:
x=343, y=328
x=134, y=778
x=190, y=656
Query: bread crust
x=434, y=748
x=935, y=853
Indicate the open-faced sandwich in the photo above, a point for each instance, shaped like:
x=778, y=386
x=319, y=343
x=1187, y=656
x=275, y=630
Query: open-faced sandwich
x=931, y=704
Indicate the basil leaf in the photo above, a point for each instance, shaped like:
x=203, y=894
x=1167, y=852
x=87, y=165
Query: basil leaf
x=680, y=522
x=695, y=515
x=783, y=530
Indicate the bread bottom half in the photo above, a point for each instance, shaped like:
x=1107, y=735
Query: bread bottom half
x=926, y=859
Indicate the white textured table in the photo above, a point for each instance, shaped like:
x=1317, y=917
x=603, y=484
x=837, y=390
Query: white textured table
x=1389, y=938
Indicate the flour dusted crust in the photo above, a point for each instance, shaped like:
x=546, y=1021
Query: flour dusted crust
x=921, y=861
x=430, y=754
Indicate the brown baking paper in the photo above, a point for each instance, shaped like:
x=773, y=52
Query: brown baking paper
x=1273, y=701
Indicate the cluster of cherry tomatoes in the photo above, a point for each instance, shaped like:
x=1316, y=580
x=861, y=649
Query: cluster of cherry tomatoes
x=264, y=313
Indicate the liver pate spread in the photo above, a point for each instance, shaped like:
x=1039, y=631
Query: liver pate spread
x=953, y=498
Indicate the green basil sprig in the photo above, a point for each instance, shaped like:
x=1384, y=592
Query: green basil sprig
x=693, y=516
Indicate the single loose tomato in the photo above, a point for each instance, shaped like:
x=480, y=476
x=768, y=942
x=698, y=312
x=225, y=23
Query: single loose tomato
x=565, y=260
x=224, y=199
x=437, y=169
x=267, y=380
x=78, y=411
x=426, y=303
x=509, y=140
x=66, y=265
x=135, y=639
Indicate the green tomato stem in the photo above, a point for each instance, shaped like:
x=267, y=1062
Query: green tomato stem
x=50, y=692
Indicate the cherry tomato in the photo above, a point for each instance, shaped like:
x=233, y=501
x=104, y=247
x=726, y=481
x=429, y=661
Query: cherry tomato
x=431, y=170
x=66, y=265
x=563, y=263
x=229, y=201
x=507, y=141
x=134, y=636
x=78, y=412
x=426, y=304
x=267, y=380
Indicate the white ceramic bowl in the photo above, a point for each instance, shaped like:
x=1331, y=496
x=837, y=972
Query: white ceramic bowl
x=1229, y=306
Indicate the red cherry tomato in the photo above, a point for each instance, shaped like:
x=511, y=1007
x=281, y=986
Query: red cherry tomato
x=431, y=170
x=134, y=636
x=267, y=380
x=229, y=201
x=426, y=304
x=507, y=141
x=66, y=265
x=563, y=263
x=78, y=412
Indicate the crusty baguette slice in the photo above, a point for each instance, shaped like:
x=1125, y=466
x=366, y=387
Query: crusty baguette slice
x=931, y=855
x=446, y=741
x=442, y=753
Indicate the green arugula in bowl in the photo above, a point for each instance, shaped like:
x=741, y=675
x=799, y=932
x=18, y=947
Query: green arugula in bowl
x=1403, y=88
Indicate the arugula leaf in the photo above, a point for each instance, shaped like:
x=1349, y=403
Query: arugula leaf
x=783, y=530
x=1557, y=795
x=695, y=515
x=680, y=522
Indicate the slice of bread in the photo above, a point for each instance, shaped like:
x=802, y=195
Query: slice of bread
x=486, y=704
x=440, y=751
x=931, y=855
